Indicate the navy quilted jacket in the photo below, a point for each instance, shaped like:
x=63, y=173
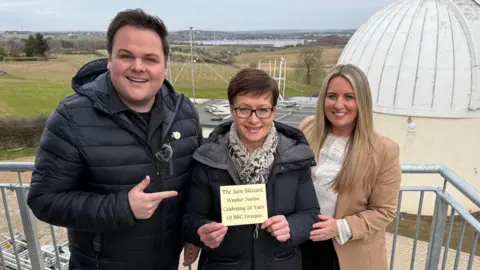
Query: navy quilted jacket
x=88, y=160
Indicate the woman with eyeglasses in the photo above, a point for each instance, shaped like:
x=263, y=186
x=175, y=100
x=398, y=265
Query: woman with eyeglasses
x=252, y=149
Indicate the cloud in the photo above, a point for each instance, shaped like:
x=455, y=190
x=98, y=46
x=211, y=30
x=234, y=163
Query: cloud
x=19, y=4
x=35, y=8
x=61, y=15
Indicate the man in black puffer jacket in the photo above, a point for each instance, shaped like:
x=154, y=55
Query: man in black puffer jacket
x=114, y=162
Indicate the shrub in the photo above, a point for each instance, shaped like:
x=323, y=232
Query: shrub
x=23, y=132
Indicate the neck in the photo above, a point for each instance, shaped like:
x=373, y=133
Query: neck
x=342, y=132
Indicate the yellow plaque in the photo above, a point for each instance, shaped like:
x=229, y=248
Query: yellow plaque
x=243, y=204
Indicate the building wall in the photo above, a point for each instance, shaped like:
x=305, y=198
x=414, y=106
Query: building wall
x=452, y=142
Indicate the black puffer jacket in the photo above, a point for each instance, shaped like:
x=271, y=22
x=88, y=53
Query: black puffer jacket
x=290, y=193
x=88, y=160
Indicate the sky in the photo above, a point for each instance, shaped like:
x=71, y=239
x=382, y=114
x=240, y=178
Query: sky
x=222, y=15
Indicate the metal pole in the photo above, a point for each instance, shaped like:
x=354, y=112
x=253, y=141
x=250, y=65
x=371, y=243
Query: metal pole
x=30, y=229
x=275, y=68
x=436, y=234
x=284, y=78
x=191, y=64
x=170, y=66
x=280, y=77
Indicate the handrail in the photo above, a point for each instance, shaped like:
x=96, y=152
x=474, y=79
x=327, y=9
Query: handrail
x=16, y=166
x=467, y=189
x=449, y=175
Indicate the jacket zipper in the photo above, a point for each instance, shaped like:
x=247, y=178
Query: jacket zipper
x=144, y=144
x=139, y=138
x=167, y=131
x=269, y=183
x=149, y=150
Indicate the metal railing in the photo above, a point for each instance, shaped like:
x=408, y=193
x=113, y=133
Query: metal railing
x=443, y=201
x=29, y=254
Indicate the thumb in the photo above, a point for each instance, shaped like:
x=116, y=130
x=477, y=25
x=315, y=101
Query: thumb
x=267, y=223
x=142, y=185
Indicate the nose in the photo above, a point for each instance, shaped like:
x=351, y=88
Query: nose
x=253, y=118
x=137, y=65
x=338, y=104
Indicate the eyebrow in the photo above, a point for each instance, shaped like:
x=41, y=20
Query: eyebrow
x=262, y=106
x=350, y=93
x=147, y=55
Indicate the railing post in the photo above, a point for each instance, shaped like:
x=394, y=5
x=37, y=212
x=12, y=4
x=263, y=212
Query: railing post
x=439, y=220
x=30, y=230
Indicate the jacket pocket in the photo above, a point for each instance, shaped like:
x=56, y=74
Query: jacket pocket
x=284, y=256
x=285, y=260
x=216, y=263
x=221, y=261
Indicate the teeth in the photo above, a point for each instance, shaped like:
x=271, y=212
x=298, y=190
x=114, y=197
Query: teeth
x=136, y=80
x=340, y=114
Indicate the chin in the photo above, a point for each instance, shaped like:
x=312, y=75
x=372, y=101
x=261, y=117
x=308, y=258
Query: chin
x=257, y=138
x=138, y=94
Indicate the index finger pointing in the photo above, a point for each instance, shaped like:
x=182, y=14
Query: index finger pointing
x=157, y=196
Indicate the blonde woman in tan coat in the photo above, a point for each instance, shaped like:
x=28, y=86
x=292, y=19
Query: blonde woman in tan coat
x=357, y=177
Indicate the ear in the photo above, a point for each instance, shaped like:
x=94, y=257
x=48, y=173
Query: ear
x=109, y=62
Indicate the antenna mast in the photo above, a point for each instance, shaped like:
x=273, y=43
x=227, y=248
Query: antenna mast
x=191, y=64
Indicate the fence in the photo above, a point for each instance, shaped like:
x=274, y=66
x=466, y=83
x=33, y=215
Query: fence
x=30, y=254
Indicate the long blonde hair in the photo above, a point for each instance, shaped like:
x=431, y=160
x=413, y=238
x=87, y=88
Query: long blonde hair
x=358, y=162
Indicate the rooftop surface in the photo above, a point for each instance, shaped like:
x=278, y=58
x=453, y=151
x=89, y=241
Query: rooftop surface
x=291, y=112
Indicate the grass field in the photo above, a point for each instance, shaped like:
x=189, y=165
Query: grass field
x=329, y=58
x=32, y=88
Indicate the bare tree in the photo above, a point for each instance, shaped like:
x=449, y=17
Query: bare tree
x=309, y=65
x=15, y=47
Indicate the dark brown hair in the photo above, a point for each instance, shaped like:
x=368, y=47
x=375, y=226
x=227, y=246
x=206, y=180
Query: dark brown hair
x=138, y=18
x=252, y=81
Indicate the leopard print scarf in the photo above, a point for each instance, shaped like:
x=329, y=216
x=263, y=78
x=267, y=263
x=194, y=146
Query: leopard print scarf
x=253, y=167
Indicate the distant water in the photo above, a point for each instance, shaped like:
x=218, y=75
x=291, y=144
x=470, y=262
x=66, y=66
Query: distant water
x=266, y=42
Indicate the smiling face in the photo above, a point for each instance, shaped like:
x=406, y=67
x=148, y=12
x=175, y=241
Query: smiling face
x=252, y=130
x=137, y=66
x=341, y=106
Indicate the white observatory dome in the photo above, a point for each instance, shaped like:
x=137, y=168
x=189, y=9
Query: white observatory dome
x=422, y=58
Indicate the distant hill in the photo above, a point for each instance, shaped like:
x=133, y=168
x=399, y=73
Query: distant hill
x=184, y=35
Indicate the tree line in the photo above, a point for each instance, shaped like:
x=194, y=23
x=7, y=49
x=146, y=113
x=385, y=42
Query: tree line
x=33, y=46
x=38, y=45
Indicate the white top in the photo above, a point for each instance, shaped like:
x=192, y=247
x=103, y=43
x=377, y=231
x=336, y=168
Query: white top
x=329, y=164
x=422, y=57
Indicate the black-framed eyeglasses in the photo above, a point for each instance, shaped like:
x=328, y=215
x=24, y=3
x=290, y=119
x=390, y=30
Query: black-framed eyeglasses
x=244, y=112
